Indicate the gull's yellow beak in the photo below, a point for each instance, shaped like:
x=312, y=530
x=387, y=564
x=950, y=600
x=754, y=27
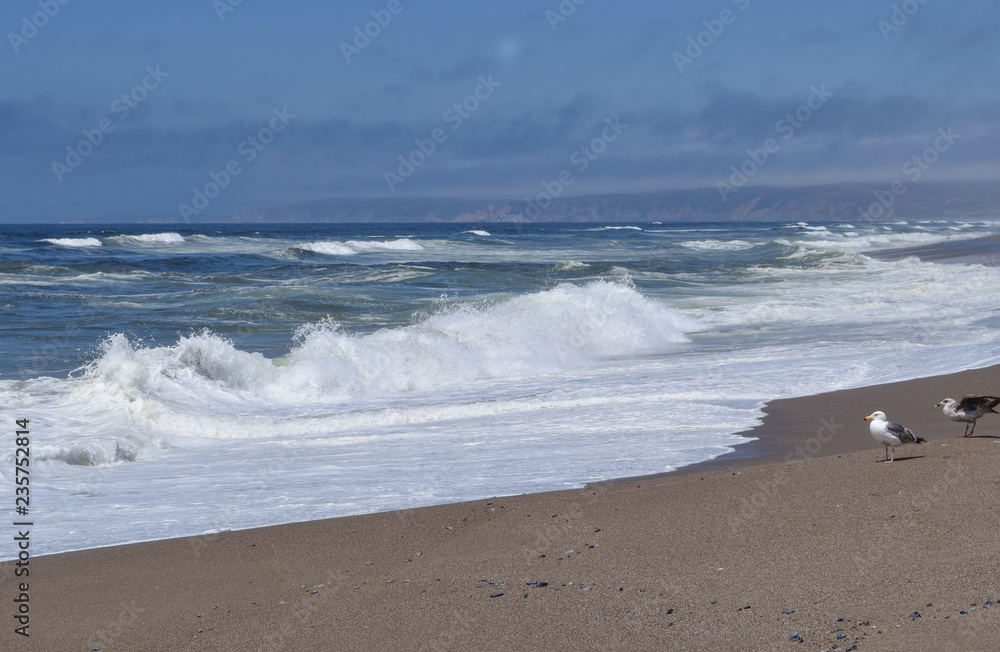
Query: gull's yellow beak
x=868, y=418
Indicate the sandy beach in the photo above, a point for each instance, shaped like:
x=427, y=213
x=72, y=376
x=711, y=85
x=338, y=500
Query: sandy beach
x=800, y=540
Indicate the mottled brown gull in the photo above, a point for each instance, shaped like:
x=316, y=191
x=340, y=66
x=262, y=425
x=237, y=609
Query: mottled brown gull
x=969, y=409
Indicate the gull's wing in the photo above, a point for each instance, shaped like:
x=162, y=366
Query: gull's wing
x=904, y=434
x=977, y=403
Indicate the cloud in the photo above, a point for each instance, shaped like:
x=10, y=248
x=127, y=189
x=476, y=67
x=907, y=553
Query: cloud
x=505, y=149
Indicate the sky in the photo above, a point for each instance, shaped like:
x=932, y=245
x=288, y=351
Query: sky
x=109, y=107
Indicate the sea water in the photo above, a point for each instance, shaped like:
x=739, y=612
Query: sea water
x=186, y=380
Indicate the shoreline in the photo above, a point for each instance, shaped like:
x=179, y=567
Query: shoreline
x=776, y=440
x=752, y=548
x=909, y=402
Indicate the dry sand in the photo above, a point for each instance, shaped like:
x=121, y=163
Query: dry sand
x=801, y=535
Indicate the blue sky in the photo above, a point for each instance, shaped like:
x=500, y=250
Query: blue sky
x=696, y=87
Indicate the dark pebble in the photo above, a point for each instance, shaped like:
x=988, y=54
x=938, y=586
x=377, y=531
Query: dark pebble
x=670, y=611
x=796, y=638
x=964, y=613
x=841, y=636
x=541, y=584
x=916, y=614
x=495, y=595
x=788, y=612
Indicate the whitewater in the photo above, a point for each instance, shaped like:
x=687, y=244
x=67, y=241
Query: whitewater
x=215, y=377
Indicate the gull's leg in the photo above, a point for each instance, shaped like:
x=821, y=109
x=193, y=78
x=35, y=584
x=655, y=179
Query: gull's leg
x=972, y=430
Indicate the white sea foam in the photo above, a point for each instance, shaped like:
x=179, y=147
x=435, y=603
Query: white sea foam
x=328, y=248
x=150, y=239
x=155, y=394
x=853, y=241
x=73, y=242
x=718, y=245
x=351, y=247
x=478, y=232
x=573, y=264
x=401, y=244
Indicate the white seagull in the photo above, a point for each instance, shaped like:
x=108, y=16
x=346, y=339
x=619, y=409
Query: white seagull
x=890, y=433
x=969, y=409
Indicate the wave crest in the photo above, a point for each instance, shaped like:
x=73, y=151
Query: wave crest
x=352, y=247
x=150, y=239
x=204, y=386
x=73, y=242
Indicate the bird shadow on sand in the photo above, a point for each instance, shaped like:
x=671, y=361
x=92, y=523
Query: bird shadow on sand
x=981, y=437
x=881, y=460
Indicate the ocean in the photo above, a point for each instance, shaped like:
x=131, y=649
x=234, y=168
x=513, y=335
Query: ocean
x=196, y=379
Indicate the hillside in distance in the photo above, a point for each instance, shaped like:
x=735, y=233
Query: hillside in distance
x=853, y=202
